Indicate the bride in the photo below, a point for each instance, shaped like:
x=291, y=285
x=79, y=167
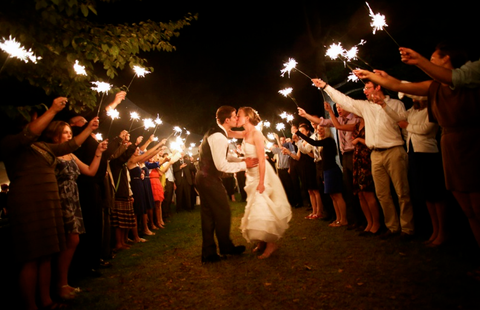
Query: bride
x=267, y=212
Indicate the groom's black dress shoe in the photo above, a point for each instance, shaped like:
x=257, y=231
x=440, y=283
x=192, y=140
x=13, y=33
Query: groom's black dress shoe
x=239, y=249
x=211, y=259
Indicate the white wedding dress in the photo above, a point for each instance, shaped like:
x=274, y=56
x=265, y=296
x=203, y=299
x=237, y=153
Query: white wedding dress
x=266, y=215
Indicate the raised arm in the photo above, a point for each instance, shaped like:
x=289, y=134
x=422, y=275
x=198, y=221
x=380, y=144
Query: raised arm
x=440, y=74
x=38, y=125
x=386, y=81
x=345, y=127
x=91, y=169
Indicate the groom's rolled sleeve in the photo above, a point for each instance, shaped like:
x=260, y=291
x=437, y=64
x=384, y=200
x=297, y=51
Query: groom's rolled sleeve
x=219, y=145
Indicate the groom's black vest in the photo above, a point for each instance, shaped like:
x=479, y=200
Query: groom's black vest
x=207, y=165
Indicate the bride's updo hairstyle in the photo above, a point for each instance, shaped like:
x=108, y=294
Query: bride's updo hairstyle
x=253, y=116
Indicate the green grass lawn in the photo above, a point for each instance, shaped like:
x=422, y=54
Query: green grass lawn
x=316, y=267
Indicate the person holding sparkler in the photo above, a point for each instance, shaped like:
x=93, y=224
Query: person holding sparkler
x=331, y=172
x=96, y=197
x=67, y=170
x=267, y=212
x=452, y=109
x=215, y=207
x=36, y=217
x=389, y=159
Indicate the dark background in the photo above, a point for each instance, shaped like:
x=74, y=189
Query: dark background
x=234, y=52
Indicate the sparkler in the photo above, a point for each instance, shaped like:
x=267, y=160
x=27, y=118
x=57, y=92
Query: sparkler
x=289, y=66
x=133, y=116
x=15, y=50
x=378, y=22
x=281, y=127
x=79, y=69
x=113, y=114
x=140, y=72
x=352, y=77
x=98, y=136
x=103, y=88
x=337, y=51
x=286, y=92
x=157, y=121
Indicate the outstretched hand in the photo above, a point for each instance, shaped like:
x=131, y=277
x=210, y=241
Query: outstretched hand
x=94, y=123
x=409, y=56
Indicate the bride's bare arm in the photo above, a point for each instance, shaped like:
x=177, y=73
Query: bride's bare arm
x=258, y=140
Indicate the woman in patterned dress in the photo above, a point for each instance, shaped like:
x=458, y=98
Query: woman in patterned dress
x=363, y=185
x=36, y=218
x=67, y=169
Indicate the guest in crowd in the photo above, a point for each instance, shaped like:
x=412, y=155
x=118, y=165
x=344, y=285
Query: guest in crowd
x=389, y=159
x=96, y=197
x=308, y=171
x=363, y=185
x=141, y=199
x=123, y=216
x=153, y=164
x=36, y=219
x=331, y=172
x=451, y=109
x=67, y=169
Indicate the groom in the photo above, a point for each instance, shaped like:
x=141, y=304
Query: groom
x=215, y=207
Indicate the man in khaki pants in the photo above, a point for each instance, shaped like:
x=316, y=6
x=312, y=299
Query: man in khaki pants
x=389, y=159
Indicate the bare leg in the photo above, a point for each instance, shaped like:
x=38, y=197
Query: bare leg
x=28, y=284
x=158, y=214
x=341, y=207
x=44, y=277
x=374, y=210
x=366, y=210
x=150, y=219
x=313, y=202
x=63, y=264
x=271, y=247
x=136, y=237
x=146, y=231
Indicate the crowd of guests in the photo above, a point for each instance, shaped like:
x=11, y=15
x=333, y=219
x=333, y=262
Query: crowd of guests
x=384, y=147
x=72, y=208
x=64, y=200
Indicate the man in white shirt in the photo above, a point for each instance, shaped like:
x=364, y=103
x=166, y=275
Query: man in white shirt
x=215, y=207
x=389, y=159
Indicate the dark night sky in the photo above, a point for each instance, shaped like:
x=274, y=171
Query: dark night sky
x=234, y=52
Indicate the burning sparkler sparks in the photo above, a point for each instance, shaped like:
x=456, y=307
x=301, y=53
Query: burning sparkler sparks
x=289, y=66
x=98, y=136
x=140, y=72
x=101, y=87
x=15, y=50
x=378, y=22
x=79, y=69
x=148, y=123
x=286, y=92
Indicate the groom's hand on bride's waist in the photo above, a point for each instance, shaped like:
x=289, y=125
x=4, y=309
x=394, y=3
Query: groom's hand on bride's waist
x=251, y=162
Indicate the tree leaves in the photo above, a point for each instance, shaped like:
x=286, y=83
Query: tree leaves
x=62, y=31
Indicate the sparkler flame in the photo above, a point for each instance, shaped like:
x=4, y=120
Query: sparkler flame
x=378, y=20
x=280, y=126
x=288, y=66
x=140, y=72
x=148, y=123
x=134, y=115
x=101, y=87
x=286, y=91
x=284, y=115
x=270, y=136
x=266, y=124
x=15, y=50
x=98, y=136
x=177, y=130
x=289, y=117
x=158, y=121
x=79, y=69
x=352, y=77
x=114, y=114
x=335, y=50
